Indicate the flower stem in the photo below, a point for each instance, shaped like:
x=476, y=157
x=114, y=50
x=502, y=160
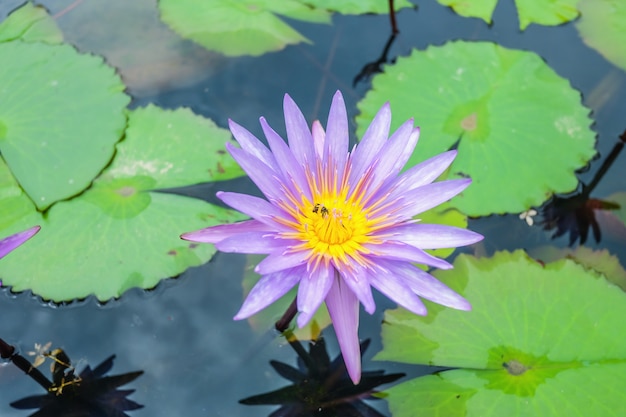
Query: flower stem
x=8, y=352
x=283, y=323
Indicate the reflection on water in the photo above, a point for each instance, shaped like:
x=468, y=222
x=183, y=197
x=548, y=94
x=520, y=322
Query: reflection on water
x=321, y=387
x=574, y=215
x=83, y=393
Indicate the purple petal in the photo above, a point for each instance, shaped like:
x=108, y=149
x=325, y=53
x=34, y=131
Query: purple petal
x=392, y=158
x=356, y=279
x=427, y=286
x=216, y=234
x=404, y=252
x=428, y=196
x=269, y=289
x=254, y=242
x=433, y=236
x=254, y=207
x=251, y=144
x=298, y=134
x=269, y=181
x=422, y=173
x=396, y=289
x=312, y=291
x=11, y=242
x=343, y=308
x=280, y=261
x=373, y=140
x=337, y=134
x=319, y=137
x=286, y=162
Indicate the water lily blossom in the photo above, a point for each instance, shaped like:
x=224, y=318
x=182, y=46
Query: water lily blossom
x=337, y=222
x=11, y=242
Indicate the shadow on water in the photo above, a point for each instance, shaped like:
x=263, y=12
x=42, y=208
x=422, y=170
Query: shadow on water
x=575, y=214
x=321, y=386
x=85, y=393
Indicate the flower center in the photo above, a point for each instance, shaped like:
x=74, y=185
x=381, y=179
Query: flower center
x=332, y=229
x=331, y=225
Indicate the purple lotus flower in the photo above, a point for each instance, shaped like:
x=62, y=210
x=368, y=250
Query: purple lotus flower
x=9, y=243
x=338, y=222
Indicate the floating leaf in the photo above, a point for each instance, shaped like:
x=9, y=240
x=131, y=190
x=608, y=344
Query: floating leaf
x=239, y=27
x=542, y=12
x=15, y=206
x=599, y=260
x=61, y=114
x=602, y=28
x=540, y=340
x=158, y=144
x=357, y=6
x=30, y=24
x=120, y=234
x=521, y=130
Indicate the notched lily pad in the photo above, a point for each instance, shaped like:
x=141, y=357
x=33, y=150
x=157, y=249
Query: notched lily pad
x=62, y=113
x=602, y=28
x=121, y=233
x=540, y=340
x=520, y=129
x=243, y=27
x=599, y=260
x=542, y=12
x=30, y=23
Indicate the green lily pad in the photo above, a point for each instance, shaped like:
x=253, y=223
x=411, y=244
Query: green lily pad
x=521, y=130
x=120, y=233
x=357, y=6
x=542, y=12
x=239, y=27
x=266, y=318
x=599, y=260
x=169, y=162
x=61, y=115
x=540, y=341
x=30, y=23
x=602, y=28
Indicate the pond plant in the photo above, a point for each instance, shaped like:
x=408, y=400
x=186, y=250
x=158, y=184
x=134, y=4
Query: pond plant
x=338, y=222
x=499, y=129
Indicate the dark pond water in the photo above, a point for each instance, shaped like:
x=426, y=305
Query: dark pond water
x=197, y=360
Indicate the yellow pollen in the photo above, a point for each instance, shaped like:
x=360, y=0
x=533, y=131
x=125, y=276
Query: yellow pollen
x=333, y=228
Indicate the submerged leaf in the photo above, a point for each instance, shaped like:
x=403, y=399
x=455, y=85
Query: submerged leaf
x=602, y=28
x=519, y=128
x=30, y=23
x=242, y=27
x=540, y=340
